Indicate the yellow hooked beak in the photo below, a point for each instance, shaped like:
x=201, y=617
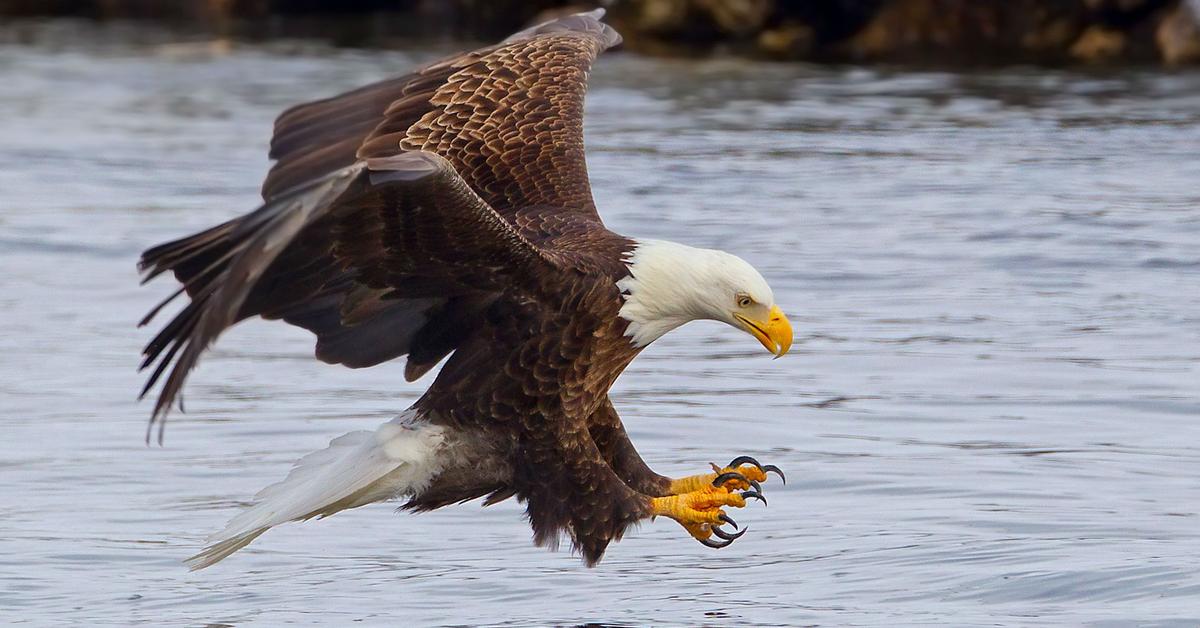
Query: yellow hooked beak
x=775, y=333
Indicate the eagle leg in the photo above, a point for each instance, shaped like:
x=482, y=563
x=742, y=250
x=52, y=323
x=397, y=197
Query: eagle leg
x=699, y=512
x=741, y=473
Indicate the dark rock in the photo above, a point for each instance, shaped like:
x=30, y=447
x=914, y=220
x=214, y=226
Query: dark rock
x=696, y=20
x=739, y=18
x=1098, y=44
x=830, y=21
x=1178, y=34
x=952, y=31
x=790, y=40
x=662, y=17
x=1122, y=14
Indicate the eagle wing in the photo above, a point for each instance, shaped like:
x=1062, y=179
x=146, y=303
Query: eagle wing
x=507, y=121
x=407, y=228
x=509, y=118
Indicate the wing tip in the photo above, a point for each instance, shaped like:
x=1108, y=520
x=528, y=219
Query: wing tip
x=585, y=22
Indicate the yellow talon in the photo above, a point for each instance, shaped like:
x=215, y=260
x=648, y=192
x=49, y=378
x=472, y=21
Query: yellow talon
x=700, y=506
x=699, y=512
x=699, y=531
x=697, y=482
x=696, y=500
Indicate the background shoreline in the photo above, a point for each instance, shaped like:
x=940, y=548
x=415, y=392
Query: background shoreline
x=941, y=32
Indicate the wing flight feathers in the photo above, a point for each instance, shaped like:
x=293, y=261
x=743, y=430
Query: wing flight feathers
x=508, y=117
x=392, y=216
x=393, y=221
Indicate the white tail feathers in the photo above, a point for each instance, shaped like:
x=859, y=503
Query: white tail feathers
x=400, y=458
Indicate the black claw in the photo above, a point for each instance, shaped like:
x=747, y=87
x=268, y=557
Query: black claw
x=726, y=519
x=715, y=544
x=756, y=486
x=776, y=470
x=727, y=536
x=755, y=495
x=720, y=480
x=741, y=460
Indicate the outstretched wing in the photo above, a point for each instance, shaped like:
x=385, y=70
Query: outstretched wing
x=405, y=234
x=508, y=117
x=344, y=244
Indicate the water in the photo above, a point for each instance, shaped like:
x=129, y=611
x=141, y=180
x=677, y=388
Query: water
x=990, y=416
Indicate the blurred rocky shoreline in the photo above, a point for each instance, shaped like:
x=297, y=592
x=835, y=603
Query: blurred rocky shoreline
x=944, y=32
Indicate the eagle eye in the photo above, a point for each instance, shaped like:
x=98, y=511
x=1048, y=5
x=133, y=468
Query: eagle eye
x=744, y=300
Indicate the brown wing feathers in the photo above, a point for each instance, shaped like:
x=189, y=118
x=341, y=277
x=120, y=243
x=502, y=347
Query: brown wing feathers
x=433, y=225
x=511, y=123
x=316, y=138
x=236, y=260
x=382, y=250
x=509, y=118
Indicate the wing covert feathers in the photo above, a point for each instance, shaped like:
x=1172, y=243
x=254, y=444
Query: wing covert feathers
x=393, y=214
x=405, y=225
x=508, y=117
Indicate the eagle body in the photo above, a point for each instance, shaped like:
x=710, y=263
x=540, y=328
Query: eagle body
x=445, y=216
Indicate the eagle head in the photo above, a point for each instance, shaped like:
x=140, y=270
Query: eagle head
x=671, y=284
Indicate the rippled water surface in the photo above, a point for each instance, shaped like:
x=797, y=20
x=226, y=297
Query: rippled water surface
x=990, y=416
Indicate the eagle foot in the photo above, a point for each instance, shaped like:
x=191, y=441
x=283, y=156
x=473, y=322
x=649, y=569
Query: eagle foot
x=741, y=473
x=699, y=512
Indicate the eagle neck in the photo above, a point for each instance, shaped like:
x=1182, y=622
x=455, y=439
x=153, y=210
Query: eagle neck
x=659, y=290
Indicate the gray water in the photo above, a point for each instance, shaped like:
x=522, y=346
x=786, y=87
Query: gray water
x=990, y=416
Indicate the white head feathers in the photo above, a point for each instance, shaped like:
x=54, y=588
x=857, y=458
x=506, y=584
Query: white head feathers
x=670, y=284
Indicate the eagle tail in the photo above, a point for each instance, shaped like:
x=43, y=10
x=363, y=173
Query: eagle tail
x=399, y=458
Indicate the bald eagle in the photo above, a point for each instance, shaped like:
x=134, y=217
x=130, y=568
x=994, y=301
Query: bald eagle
x=447, y=212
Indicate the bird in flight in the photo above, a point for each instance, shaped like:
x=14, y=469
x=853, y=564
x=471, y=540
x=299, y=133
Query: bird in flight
x=448, y=212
